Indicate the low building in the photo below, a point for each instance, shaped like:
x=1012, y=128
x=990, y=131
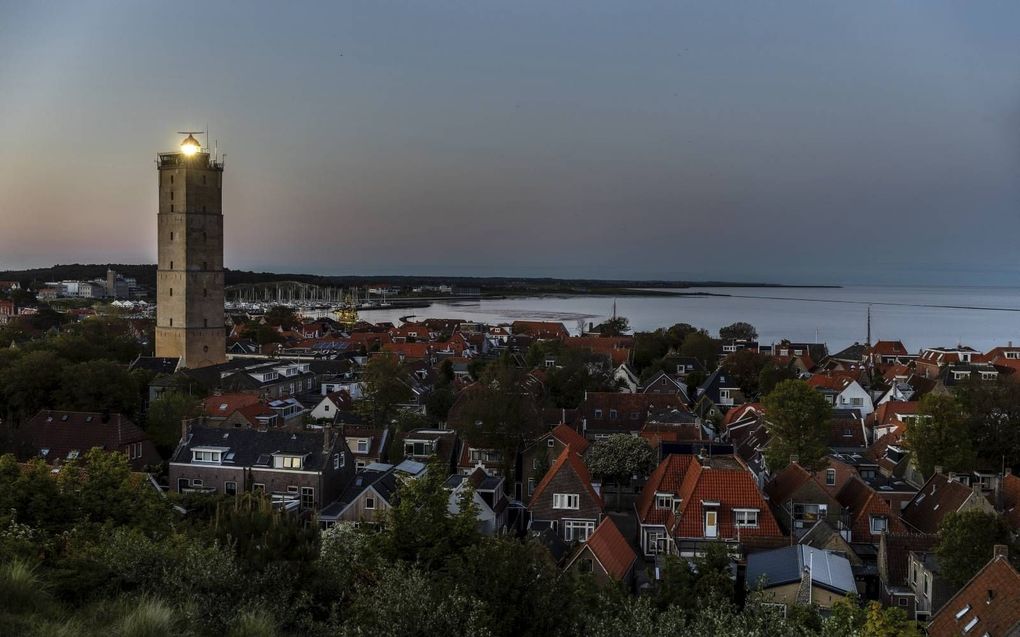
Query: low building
x=802, y=575
x=366, y=500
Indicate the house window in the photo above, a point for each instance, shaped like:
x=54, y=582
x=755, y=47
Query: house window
x=585, y=565
x=598, y=414
x=746, y=518
x=830, y=477
x=287, y=462
x=655, y=542
x=307, y=497
x=566, y=501
x=196, y=482
x=612, y=414
x=230, y=488
x=369, y=502
x=201, y=455
x=578, y=530
x=634, y=415
x=338, y=460
x=903, y=601
x=258, y=487
x=551, y=442
x=878, y=524
x=531, y=486
x=857, y=402
x=664, y=501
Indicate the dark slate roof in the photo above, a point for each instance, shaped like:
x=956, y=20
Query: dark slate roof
x=718, y=380
x=855, y=353
x=156, y=364
x=251, y=447
x=785, y=565
x=383, y=481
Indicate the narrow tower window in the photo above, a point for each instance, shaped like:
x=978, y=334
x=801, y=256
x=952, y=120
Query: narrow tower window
x=205, y=291
x=171, y=291
x=171, y=236
x=203, y=180
x=171, y=207
x=171, y=180
x=171, y=322
x=171, y=195
x=205, y=322
x=171, y=265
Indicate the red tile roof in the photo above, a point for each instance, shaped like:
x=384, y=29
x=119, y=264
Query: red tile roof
x=568, y=460
x=1011, y=500
x=666, y=478
x=990, y=598
x=938, y=497
x=785, y=483
x=726, y=481
x=862, y=502
x=540, y=329
x=611, y=549
x=570, y=438
x=223, y=405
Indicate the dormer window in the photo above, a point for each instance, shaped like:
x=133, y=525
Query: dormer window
x=664, y=501
x=287, y=462
x=207, y=455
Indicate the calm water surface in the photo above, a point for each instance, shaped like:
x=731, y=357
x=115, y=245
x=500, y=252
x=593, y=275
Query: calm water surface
x=919, y=316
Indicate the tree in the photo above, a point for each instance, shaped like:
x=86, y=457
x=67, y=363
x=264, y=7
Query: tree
x=993, y=419
x=282, y=316
x=686, y=583
x=615, y=326
x=745, y=367
x=939, y=436
x=577, y=372
x=420, y=529
x=965, y=543
x=385, y=387
x=739, y=330
x=101, y=386
x=798, y=421
x=702, y=347
x=772, y=374
x=29, y=384
x=618, y=458
x=501, y=412
x=163, y=420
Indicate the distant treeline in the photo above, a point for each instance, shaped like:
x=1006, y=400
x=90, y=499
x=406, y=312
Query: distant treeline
x=146, y=275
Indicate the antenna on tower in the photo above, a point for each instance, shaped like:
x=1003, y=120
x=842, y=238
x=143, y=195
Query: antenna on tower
x=868, y=342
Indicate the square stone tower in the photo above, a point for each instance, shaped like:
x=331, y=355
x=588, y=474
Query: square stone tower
x=189, y=275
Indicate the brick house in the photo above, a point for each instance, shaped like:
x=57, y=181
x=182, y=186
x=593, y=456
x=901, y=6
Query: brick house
x=693, y=500
x=607, y=556
x=540, y=455
x=987, y=605
x=939, y=496
x=603, y=414
x=800, y=499
x=58, y=436
x=566, y=501
x=311, y=467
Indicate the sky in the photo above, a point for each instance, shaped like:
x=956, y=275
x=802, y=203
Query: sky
x=794, y=142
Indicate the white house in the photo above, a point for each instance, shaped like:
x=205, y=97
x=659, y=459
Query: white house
x=487, y=494
x=330, y=404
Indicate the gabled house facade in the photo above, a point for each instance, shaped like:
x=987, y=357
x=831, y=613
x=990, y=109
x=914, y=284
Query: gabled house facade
x=566, y=500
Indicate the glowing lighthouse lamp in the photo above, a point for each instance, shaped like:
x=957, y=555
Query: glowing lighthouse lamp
x=190, y=145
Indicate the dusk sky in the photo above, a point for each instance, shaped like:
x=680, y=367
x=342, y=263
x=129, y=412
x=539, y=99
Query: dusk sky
x=797, y=142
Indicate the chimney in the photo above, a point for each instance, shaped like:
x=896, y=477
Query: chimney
x=938, y=469
x=184, y=429
x=794, y=458
x=1000, y=550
